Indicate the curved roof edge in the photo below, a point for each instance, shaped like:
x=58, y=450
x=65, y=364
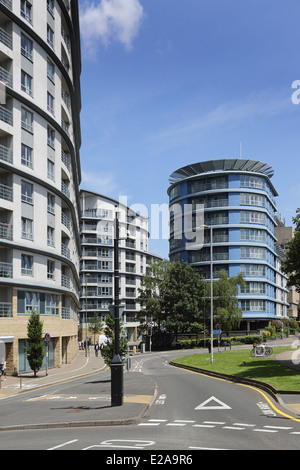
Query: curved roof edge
x=233, y=164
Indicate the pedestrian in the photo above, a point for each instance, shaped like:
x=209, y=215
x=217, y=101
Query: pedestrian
x=209, y=346
x=3, y=369
x=96, y=349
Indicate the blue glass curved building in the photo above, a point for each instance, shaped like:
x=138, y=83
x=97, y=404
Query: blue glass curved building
x=237, y=199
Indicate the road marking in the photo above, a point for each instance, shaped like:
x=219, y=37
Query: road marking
x=183, y=421
x=158, y=420
x=221, y=405
x=265, y=430
x=149, y=424
x=242, y=424
x=203, y=425
x=62, y=445
x=175, y=424
x=278, y=427
x=214, y=422
x=233, y=427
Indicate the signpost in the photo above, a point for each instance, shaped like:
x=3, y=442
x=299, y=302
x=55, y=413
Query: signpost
x=46, y=342
x=218, y=332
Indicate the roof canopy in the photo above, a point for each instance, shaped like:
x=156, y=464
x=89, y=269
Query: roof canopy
x=221, y=165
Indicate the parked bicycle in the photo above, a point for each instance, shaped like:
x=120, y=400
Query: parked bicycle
x=261, y=350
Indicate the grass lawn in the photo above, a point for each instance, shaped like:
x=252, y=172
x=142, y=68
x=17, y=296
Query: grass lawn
x=263, y=369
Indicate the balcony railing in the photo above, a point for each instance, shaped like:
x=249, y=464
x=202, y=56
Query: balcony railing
x=64, y=189
x=6, y=115
x=5, y=38
x=65, y=220
x=65, y=159
x=7, y=3
x=6, y=155
x=6, y=231
x=6, y=77
x=65, y=313
x=5, y=269
x=65, y=251
x=65, y=281
x=6, y=192
x=5, y=307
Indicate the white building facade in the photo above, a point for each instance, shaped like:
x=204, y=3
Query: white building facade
x=97, y=233
x=39, y=175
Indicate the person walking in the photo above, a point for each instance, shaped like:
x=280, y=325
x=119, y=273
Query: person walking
x=96, y=349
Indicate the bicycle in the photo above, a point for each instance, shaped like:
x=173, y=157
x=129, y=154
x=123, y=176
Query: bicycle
x=261, y=350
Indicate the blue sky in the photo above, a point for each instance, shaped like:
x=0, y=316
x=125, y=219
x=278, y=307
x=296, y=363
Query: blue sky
x=166, y=83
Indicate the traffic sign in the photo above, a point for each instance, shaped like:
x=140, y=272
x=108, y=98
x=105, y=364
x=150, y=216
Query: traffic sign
x=217, y=332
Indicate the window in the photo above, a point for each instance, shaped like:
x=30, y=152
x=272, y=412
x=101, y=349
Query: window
x=50, y=36
x=50, y=170
x=26, y=83
x=50, y=6
x=50, y=203
x=26, y=10
x=52, y=304
x=27, y=120
x=50, y=236
x=26, y=156
x=27, y=192
x=50, y=269
x=26, y=47
x=50, y=103
x=27, y=265
x=50, y=70
x=27, y=231
x=50, y=137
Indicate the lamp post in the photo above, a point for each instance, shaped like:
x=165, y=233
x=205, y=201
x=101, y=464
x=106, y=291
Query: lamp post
x=116, y=363
x=211, y=294
x=86, y=322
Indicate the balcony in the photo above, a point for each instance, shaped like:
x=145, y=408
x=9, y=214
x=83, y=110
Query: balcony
x=65, y=281
x=65, y=220
x=7, y=3
x=65, y=159
x=6, y=192
x=65, y=189
x=65, y=251
x=6, y=231
x=5, y=270
x=5, y=38
x=6, y=115
x=6, y=155
x=5, y=308
x=6, y=77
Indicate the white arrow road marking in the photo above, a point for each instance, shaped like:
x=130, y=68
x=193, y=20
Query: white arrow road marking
x=220, y=406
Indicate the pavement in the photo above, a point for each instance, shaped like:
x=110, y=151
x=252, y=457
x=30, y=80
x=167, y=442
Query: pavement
x=53, y=409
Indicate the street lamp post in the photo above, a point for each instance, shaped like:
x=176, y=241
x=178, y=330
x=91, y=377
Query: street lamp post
x=211, y=296
x=116, y=363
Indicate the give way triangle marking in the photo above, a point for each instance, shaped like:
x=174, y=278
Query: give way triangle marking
x=220, y=406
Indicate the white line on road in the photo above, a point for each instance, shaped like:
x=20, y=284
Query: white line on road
x=62, y=445
x=278, y=427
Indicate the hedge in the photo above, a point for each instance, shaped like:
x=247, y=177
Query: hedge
x=201, y=343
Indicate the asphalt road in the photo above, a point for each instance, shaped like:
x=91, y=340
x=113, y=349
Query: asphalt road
x=191, y=412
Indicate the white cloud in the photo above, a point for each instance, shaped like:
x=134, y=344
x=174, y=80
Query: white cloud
x=110, y=20
x=101, y=183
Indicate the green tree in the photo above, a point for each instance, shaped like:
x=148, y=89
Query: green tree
x=150, y=294
x=95, y=325
x=182, y=292
x=35, y=349
x=108, y=351
x=226, y=305
x=291, y=264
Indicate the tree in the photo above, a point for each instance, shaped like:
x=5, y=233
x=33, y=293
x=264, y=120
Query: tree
x=95, y=325
x=291, y=264
x=150, y=294
x=226, y=305
x=35, y=350
x=182, y=292
x=108, y=351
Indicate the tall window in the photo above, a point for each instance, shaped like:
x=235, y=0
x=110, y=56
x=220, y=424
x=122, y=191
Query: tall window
x=50, y=103
x=26, y=47
x=51, y=137
x=50, y=269
x=50, y=203
x=27, y=265
x=50, y=36
x=27, y=230
x=50, y=70
x=27, y=192
x=26, y=10
x=26, y=156
x=50, y=236
x=27, y=120
x=26, y=83
x=50, y=170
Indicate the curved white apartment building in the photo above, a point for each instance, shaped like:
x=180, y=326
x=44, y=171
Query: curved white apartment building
x=39, y=175
x=97, y=234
